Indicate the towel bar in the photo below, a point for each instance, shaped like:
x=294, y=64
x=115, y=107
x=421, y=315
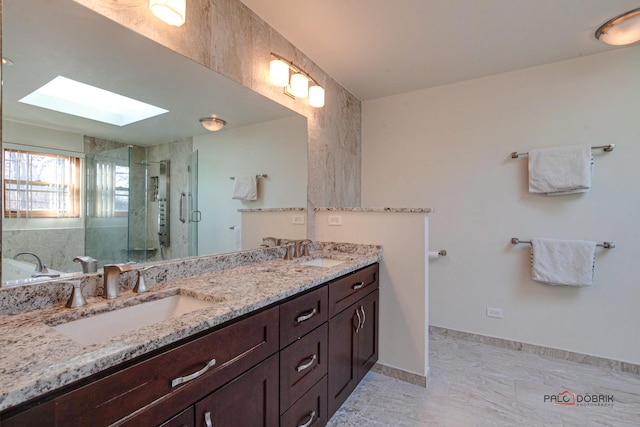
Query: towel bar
x=263, y=175
x=606, y=245
x=607, y=148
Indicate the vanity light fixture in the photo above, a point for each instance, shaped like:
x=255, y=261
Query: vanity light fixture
x=212, y=124
x=173, y=12
x=621, y=30
x=295, y=81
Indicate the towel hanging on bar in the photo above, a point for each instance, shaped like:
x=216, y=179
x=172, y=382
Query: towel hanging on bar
x=563, y=262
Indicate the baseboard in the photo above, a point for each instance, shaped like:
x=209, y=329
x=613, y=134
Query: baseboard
x=402, y=375
x=541, y=350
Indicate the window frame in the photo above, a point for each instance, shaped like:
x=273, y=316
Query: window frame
x=74, y=188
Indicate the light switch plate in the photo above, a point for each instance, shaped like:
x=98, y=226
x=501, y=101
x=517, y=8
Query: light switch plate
x=335, y=220
x=298, y=219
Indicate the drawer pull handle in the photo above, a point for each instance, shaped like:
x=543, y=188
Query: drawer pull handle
x=311, y=416
x=364, y=317
x=207, y=419
x=306, y=316
x=193, y=376
x=304, y=366
x=357, y=286
x=359, y=320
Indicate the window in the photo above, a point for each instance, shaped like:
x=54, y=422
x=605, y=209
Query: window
x=108, y=190
x=41, y=185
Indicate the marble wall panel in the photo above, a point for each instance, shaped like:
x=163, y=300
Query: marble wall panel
x=55, y=247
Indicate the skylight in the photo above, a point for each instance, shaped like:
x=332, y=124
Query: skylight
x=83, y=100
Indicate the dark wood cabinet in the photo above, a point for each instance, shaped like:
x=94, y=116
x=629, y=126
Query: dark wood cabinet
x=249, y=400
x=310, y=410
x=292, y=364
x=302, y=364
x=353, y=333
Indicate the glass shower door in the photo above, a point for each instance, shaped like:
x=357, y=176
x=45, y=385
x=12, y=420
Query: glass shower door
x=107, y=209
x=194, y=213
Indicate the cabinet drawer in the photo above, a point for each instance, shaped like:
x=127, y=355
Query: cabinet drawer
x=302, y=364
x=303, y=314
x=235, y=349
x=250, y=400
x=349, y=289
x=183, y=419
x=310, y=410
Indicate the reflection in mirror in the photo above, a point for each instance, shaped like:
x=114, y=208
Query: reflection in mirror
x=155, y=189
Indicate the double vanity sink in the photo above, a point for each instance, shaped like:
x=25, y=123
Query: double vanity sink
x=50, y=348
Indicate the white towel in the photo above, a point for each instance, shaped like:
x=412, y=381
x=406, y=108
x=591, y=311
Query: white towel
x=560, y=170
x=237, y=238
x=563, y=262
x=245, y=188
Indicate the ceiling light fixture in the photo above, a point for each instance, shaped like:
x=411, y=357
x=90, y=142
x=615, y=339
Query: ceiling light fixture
x=295, y=81
x=6, y=61
x=212, y=124
x=173, y=12
x=621, y=30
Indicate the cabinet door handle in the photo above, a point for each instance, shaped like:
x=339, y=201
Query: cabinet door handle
x=311, y=416
x=357, y=286
x=359, y=320
x=304, y=366
x=207, y=419
x=364, y=317
x=193, y=376
x=306, y=316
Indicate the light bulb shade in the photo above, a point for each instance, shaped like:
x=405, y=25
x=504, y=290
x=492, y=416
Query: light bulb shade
x=212, y=124
x=279, y=73
x=173, y=12
x=621, y=30
x=316, y=96
x=299, y=85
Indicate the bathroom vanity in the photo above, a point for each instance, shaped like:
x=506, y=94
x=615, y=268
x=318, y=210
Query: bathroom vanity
x=290, y=358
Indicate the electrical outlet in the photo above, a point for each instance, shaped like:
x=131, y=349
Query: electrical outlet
x=335, y=220
x=494, y=312
x=298, y=219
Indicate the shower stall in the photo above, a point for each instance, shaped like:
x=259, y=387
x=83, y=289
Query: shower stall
x=129, y=207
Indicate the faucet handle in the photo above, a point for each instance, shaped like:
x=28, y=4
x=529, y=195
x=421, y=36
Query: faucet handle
x=141, y=284
x=76, y=299
x=304, y=245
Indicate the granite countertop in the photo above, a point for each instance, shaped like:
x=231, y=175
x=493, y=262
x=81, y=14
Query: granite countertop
x=36, y=359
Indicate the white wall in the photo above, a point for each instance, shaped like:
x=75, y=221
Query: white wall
x=277, y=148
x=279, y=224
x=403, y=279
x=448, y=148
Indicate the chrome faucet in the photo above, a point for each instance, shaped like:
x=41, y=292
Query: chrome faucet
x=290, y=248
x=112, y=279
x=40, y=267
x=89, y=265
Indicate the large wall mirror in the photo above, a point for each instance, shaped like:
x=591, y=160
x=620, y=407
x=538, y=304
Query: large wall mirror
x=156, y=189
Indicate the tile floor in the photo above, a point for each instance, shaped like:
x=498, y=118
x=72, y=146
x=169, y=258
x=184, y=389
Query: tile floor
x=474, y=384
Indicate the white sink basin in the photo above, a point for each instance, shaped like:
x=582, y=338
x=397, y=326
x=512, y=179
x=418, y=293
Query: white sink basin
x=90, y=330
x=323, y=262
